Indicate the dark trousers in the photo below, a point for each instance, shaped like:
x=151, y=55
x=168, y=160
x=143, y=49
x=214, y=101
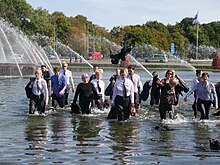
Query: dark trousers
x=58, y=100
x=194, y=106
x=203, y=107
x=136, y=100
x=66, y=94
x=99, y=102
x=122, y=105
x=85, y=105
x=164, y=108
x=154, y=100
x=36, y=103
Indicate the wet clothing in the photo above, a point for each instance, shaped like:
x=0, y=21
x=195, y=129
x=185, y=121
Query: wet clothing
x=123, y=96
x=100, y=88
x=194, y=106
x=109, y=90
x=86, y=93
x=167, y=100
x=138, y=88
x=58, y=83
x=205, y=95
x=155, y=91
x=39, y=96
x=70, y=83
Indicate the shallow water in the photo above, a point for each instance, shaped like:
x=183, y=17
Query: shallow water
x=60, y=138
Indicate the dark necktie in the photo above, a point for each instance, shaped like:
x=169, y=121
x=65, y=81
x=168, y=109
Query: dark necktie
x=99, y=89
x=132, y=78
x=64, y=72
x=124, y=89
x=38, y=87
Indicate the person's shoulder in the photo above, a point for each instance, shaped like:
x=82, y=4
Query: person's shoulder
x=63, y=76
x=69, y=71
x=129, y=80
x=93, y=81
x=52, y=76
x=137, y=75
x=43, y=81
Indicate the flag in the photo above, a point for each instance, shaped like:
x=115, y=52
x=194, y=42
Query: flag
x=195, y=19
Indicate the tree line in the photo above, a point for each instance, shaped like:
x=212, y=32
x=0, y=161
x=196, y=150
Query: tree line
x=80, y=34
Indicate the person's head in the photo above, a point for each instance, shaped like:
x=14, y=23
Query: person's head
x=112, y=79
x=154, y=74
x=169, y=73
x=43, y=68
x=95, y=67
x=101, y=71
x=205, y=76
x=64, y=65
x=117, y=71
x=174, y=73
x=130, y=70
x=173, y=82
x=85, y=78
x=56, y=71
x=98, y=74
x=198, y=73
x=38, y=73
x=123, y=73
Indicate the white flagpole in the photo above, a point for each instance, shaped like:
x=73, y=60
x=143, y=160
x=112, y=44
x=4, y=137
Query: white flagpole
x=197, y=39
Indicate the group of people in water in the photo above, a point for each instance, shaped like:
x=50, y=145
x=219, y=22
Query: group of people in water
x=125, y=90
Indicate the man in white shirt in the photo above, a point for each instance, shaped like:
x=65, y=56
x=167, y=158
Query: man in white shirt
x=138, y=86
x=69, y=78
x=123, y=96
x=100, y=88
x=92, y=74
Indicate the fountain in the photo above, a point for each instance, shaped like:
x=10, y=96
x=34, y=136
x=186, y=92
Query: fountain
x=61, y=48
x=18, y=55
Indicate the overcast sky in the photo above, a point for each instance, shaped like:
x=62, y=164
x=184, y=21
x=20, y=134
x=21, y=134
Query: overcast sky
x=110, y=13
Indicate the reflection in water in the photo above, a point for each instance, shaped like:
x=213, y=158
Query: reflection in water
x=85, y=129
x=202, y=136
x=36, y=132
x=58, y=124
x=125, y=136
x=164, y=141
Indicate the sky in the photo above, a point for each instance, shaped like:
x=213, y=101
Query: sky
x=110, y=13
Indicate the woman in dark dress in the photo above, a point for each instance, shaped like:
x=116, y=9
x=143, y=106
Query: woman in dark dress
x=86, y=92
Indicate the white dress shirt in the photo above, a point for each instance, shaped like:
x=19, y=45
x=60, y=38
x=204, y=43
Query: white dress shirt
x=39, y=87
x=101, y=85
x=137, y=82
x=118, y=89
x=69, y=77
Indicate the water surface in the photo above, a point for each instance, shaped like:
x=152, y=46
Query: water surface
x=60, y=138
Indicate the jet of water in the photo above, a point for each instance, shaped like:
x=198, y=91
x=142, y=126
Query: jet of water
x=139, y=64
x=175, y=58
